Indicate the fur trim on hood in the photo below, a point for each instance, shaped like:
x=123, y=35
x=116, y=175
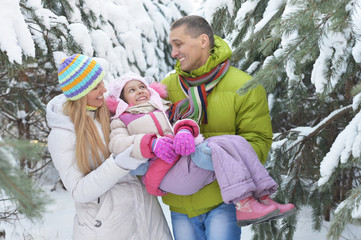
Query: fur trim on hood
x=117, y=106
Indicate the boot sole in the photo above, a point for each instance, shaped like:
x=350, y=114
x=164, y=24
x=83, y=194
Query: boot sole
x=242, y=223
x=285, y=214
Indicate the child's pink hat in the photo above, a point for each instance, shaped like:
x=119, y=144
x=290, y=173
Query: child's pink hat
x=116, y=105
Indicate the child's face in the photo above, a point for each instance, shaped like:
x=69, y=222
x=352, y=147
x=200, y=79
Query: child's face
x=135, y=92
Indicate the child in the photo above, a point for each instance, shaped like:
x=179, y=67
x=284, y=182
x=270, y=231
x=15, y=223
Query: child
x=140, y=119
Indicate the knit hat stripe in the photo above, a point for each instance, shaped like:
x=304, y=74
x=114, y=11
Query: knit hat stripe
x=82, y=91
x=78, y=75
x=81, y=77
x=63, y=67
x=70, y=77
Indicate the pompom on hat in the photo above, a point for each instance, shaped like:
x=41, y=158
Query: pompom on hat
x=78, y=75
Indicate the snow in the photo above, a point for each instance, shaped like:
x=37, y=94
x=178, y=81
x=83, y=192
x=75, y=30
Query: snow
x=333, y=47
x=356, y=18
x=356, y=212
x=286, y=41
x=272, y=8
x=252, y=68
x=15, y=38
x=82, y=37
x=121, y=45
x=123, y=32
x=212, y=5
x=57, y=223
x=245, y=8
x=356, y=101
x=347, y=142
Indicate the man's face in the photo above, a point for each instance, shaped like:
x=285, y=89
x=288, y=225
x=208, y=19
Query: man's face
x=191, y=52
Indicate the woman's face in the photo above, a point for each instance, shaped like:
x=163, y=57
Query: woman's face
x=135, y=92
x=95, y=97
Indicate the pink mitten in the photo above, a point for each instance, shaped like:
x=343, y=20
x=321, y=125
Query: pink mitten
x=184, y=142
x=163, y=148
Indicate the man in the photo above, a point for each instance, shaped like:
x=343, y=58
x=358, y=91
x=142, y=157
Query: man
x=204, y=89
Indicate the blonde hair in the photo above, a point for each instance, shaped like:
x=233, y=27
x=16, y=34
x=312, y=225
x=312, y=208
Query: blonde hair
x=88, y=139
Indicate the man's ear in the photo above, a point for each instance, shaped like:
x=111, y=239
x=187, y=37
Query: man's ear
x=204, y=41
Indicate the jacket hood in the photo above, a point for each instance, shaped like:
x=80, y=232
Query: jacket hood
x=55, y=116
x=116, y=105
x=220, y=52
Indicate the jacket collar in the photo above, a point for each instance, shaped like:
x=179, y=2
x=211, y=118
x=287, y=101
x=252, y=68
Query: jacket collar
x=220, y=52
x=55, y=116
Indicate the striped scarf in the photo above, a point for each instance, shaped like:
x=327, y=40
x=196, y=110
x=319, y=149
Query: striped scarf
x=91, y=108
x=197, y=89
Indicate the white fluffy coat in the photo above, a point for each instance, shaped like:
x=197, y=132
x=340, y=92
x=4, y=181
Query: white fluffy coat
x=110, y=203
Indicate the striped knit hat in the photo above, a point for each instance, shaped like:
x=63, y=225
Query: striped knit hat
x=78, y=75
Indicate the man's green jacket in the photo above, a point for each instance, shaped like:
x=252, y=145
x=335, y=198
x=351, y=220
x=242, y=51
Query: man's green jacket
x=228, y=114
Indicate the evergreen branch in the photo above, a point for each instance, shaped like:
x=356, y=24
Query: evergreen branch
x=16, y=184
x=344, y=213
x=34, y=29
x=5, y=216
x=7, y=114
x=40, y=168
x=356, y=89
x=324, y=123
x=300, y=141
x=328, y=120
x=13, y=189
x=289, y=24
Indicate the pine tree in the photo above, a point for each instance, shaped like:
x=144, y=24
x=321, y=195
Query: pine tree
x=307, y=56
x=123, y=35
x=17, y=187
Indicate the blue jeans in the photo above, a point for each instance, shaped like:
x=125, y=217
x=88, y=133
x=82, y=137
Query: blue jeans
x=218, y=224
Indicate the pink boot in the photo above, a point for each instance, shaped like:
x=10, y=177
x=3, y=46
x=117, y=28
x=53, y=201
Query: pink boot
x=286, y=210
x=250, y=211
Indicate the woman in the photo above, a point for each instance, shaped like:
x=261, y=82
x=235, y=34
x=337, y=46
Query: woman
x=110, y=203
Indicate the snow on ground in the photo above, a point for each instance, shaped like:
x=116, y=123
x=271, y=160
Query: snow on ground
x=58, y=220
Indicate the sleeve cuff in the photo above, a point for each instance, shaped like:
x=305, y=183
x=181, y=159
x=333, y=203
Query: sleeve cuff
x=146, y=145
x=188, y=124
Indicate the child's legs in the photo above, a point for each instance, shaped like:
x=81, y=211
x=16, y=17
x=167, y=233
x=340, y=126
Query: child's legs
x=265, y=184
x=185, y=178
x=238, y=169
x=234, y=179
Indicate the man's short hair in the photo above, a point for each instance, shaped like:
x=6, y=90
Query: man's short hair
x=195, y=26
